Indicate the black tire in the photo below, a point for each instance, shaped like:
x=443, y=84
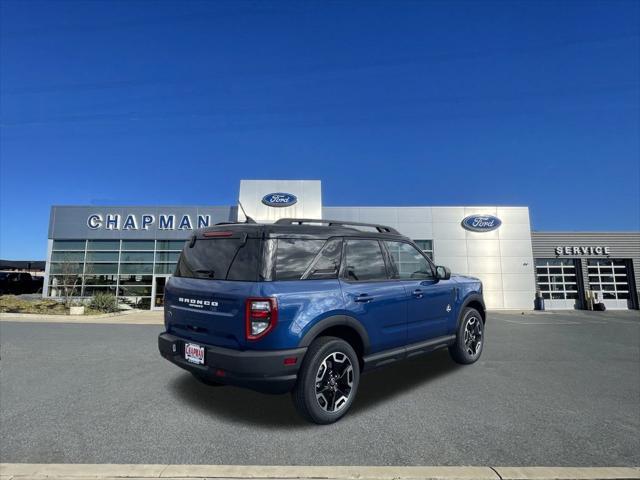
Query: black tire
x=206, y=380
x=469, y=338
x=337, y=363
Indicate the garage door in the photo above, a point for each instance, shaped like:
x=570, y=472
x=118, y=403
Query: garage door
x=610, y=280
x=558, y=283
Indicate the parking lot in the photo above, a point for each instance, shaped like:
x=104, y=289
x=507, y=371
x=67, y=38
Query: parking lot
x=550, y=389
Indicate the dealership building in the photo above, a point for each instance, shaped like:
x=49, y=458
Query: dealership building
x=131, y=251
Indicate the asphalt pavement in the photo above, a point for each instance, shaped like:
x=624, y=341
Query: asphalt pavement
x=550, y=389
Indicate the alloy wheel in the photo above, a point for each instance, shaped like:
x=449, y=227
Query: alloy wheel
x=473, y=335
x=334, y=382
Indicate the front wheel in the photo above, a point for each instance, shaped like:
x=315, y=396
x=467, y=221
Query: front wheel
x=470, y=338
x=327, y=381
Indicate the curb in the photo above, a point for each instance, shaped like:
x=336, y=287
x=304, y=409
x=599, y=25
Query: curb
x=130, y=317
x=24, y=471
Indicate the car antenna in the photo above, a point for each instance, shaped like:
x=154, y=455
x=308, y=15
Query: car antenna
x=248, y=219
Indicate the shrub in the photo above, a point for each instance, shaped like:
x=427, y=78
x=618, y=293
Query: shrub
x=104, y=302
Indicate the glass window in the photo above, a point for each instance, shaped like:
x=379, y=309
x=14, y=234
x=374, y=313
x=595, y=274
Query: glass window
x=68, y=244
x=136, y=268
x=102, y=256
x=426, y=246
x=141, y=303
x=138, y=244
x=221, y=258
x=294, y=255
x=101, y=268
x=327, y=263
x=100, y=279
x=55, y=280
x=170, y=244
x=364, y=261
x=167, y=256
x=408, y=261
x=67, y=257
x=103, y=245
x=134, y=291
x=90, y=291
x=66, y=268
x=135, y=279
x=136, y=257
x=165, y=268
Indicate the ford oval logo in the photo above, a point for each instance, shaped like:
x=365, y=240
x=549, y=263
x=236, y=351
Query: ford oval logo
x=279, y=199
x=481, y=223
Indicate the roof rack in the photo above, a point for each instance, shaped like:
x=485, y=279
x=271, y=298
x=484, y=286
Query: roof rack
x=331, y=223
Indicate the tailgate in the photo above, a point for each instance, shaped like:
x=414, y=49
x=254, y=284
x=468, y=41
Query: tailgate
x=207, y=311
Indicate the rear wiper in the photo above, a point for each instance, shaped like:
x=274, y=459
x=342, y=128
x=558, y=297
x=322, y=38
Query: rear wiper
x=243, y=242
x=209, y=273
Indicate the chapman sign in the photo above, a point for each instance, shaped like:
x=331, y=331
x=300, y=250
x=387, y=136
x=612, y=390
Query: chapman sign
x=583, y=250
x=144, y=222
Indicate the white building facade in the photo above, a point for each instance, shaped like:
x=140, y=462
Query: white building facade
x=131, y=251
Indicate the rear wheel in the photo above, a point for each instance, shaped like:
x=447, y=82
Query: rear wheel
x=206, y=380
x=327, y=381
x=470, y=338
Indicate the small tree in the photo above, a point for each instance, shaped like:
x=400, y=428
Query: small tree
x=70, y=271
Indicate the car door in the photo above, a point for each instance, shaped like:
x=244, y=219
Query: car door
x=371, y=296
x=430, y=301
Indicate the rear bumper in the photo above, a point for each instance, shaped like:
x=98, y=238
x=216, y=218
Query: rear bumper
x=261, y=370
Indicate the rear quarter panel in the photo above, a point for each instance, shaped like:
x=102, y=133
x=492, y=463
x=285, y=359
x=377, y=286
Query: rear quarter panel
x=301, y=304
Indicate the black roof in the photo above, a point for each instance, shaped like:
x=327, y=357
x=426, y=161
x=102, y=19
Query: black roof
x=309, y=227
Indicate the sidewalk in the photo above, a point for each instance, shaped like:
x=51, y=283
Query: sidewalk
x=18, y=471
x=127, y=317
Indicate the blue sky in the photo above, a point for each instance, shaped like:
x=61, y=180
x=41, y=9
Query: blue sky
x=388, y=103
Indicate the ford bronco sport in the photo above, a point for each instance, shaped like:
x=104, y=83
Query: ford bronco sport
x=307, y=305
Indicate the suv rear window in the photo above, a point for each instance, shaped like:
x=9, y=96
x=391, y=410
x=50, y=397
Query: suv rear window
x=221, y=259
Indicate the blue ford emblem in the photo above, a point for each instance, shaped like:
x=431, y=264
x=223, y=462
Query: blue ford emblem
x=481, y=223
x=279, y=199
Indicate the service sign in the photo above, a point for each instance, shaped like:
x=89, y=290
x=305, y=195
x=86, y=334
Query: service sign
x=583, y=250
x=279, y=199
x=481, y=223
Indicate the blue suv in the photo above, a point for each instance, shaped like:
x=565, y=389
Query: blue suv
x=308, y=305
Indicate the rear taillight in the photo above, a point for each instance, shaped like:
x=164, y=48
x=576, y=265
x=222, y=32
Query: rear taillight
x=261, y=317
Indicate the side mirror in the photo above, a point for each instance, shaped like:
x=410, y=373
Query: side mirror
x=443, y=273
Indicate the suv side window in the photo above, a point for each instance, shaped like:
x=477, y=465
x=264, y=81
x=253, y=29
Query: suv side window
x=327, y=263
x=409, y=263
x=294, y=256
x=364, y=261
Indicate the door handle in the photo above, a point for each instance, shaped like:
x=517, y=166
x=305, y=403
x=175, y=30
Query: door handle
x=363, y=298
x=417, y=293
